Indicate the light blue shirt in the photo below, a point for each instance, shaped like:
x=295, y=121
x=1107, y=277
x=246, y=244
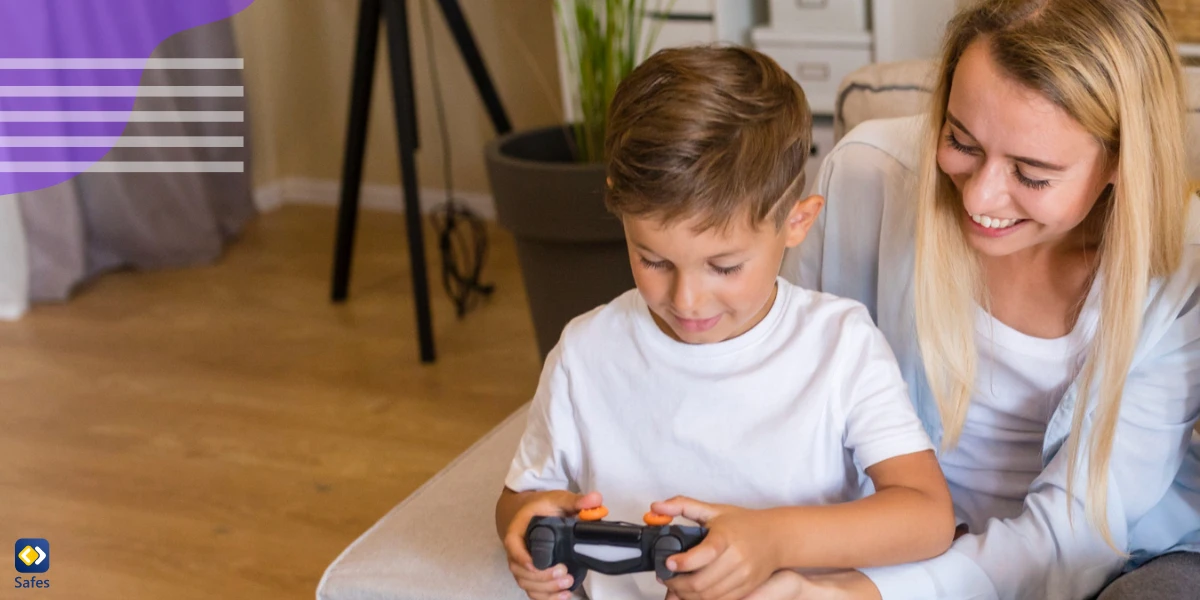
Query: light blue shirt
x=862, y=247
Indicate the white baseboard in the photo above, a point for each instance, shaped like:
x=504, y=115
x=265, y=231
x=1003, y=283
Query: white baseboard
x=13, y=311
x=373, y=196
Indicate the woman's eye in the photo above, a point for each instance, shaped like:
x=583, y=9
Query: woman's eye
x=1035, y=184
x=957, y=145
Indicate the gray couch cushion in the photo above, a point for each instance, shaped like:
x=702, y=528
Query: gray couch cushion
x=440, y=543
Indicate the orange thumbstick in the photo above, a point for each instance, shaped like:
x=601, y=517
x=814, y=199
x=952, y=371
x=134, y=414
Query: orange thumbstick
x=653, y=518
x=593, y=514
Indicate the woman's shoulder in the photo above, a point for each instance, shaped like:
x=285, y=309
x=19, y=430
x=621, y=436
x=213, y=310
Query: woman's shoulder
x=864, y=245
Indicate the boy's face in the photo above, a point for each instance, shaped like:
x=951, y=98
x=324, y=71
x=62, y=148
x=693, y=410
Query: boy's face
x=715, y=285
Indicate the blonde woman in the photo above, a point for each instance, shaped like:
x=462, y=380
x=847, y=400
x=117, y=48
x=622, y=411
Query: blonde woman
x=1030, y=251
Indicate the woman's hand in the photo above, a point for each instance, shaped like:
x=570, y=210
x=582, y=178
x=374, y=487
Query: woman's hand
x=842, y=585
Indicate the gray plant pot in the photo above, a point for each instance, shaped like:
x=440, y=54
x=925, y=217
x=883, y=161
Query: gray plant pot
x=571, y=249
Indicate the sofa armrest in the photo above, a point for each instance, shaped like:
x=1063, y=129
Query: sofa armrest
x=883, y=91
x=440, y=542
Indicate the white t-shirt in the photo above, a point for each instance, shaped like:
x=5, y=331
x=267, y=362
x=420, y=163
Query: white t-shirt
x=788, y=413
x=1019, y=382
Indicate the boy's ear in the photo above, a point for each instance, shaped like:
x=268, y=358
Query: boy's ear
x=801, y=218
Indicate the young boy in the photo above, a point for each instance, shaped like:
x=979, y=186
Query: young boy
x=715, y=379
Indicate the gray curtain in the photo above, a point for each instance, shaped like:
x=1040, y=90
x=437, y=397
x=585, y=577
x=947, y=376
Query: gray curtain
x=98, y=222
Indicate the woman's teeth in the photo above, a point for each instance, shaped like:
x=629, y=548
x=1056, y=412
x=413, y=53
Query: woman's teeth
x=992, y=223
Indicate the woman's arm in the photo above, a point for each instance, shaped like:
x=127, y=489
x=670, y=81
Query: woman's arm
x=908, y=518
x=1051, y=550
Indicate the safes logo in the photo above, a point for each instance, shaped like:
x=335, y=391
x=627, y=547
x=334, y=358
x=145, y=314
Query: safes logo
x=31, y=555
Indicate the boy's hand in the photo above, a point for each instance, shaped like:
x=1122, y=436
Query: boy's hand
x=734, y=558
x=547, y=584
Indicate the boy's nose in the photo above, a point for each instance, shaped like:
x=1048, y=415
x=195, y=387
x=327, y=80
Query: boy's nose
x=685, y=295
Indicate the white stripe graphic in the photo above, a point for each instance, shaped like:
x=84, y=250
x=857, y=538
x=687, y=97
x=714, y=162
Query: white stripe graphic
x=120, y=116
x=122, y=91
x=121, y=63
x=140, y=141
x=123, y=167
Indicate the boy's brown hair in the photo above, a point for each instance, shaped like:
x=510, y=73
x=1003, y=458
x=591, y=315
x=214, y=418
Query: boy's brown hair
x=711, y=132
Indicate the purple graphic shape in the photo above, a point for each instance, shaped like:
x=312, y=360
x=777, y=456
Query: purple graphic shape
x=83, y=29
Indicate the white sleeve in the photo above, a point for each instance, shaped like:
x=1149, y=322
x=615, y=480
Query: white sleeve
x=880, y=420
x=1039, y=554
x=840, y=255
x=549, y=453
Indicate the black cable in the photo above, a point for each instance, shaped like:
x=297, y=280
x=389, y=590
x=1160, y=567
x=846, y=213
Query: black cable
x=462, y=235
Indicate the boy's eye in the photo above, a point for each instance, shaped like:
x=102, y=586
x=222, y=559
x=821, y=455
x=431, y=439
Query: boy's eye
x=661, y=264
x=727, y=270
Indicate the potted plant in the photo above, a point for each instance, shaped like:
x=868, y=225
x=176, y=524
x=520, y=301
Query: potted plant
x=548, y=183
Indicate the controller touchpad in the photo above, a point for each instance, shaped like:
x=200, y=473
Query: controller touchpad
x=608, y=553
x=618, y=533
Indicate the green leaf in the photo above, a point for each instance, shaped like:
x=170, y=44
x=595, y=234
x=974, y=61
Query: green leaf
x=601, y=43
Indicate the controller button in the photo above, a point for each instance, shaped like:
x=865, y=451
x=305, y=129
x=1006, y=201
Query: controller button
x=541, y=547
x=593, y=514
x=657, y=520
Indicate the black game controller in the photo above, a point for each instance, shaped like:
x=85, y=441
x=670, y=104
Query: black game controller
x=568, y=540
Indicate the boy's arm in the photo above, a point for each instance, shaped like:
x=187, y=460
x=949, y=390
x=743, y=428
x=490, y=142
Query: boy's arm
x=548, y=453
x=543, y=464
x=908, y=518
x=507, y=507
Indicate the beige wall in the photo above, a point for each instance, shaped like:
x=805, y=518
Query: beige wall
x=299, y=55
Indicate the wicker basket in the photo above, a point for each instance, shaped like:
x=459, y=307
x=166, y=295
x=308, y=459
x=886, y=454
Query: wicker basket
x=1184, y=19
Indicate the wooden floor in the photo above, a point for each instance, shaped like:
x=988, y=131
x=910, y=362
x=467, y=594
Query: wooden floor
x=224, y=432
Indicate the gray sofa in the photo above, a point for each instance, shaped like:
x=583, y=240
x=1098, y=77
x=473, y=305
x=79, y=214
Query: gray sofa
x=440, y=543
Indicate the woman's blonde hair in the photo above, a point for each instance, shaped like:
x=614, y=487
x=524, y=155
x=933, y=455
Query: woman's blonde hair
x=1112, y=66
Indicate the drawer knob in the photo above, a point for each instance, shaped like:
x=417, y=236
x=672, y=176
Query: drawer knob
x=812, y=72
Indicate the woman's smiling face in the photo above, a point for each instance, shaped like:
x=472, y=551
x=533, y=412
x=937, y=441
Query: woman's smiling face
x=1028, y=173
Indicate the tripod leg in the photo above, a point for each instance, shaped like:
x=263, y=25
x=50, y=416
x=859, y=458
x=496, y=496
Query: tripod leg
x=470, y=52
x=399, y=54
x=356, y=142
